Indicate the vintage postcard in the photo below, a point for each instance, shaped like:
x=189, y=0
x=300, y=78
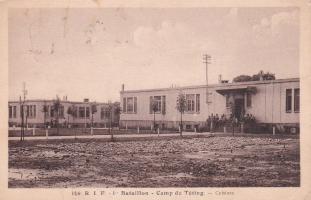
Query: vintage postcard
x=155, y=100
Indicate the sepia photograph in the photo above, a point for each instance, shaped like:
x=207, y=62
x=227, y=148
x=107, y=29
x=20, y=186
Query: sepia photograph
x=154, y=97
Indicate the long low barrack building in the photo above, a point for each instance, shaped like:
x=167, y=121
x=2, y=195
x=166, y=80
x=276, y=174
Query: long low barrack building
x=34, y=116
x=271, y=102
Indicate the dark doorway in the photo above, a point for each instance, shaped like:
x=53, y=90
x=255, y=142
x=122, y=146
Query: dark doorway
x=239, y=108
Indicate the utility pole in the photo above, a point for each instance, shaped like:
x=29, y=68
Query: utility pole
x=85, y=117
x=206, y=60
x=23, y=112
x=22, y=116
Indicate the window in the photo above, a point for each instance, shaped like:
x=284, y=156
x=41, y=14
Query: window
x=193, y=103
x=157, y=104
x=104, y=114
x=197, y=103
x=61, y=111
x=130, y=105
x=190, y=102
x=51, y=111
x=81, y=112
x=248, y=99
x=30, y=111
x=296, y=100
x=288, y=100
x=157, y=100
x=87, y=112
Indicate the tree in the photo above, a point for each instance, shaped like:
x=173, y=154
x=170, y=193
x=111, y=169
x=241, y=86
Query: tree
x=242, y=78
x=117, y=112
x=45, y=110
x=255, y=77
x=69, y=112
x=154, y=109
x=72, y=111
x=110, y=110
x=181, y=107
x=93, y=111
x=268, y=76
x=265, y=76
x=56, y=108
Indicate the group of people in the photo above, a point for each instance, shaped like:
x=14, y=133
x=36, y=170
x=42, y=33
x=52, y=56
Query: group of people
x=216, y=121
x=248, y=118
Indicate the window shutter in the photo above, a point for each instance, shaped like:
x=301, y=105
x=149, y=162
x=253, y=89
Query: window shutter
x=135, y=104
x=296, y=99
x=163, y=105
x=34, y=111
x=150, y=105
x=198, y=103
x=124, y=105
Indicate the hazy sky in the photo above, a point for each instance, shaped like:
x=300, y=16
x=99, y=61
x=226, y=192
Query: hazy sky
x=89, y=53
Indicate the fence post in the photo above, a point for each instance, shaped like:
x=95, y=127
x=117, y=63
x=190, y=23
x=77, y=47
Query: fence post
x=92, y=131
x=138, y=129
x=242, y=127
x=273, y=130
x=158, y=132
x=225, y=129
x=47, y=133
x=33, y=131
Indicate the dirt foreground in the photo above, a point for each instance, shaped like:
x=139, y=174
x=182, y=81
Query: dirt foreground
x=170, y=162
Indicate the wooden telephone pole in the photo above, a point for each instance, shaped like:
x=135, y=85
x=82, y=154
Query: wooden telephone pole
x=206, y=60
x=22, y=104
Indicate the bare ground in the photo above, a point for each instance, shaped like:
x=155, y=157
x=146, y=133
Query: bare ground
x=168, y=162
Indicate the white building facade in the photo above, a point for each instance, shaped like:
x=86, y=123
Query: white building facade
x=34, y=115
x=272, y=102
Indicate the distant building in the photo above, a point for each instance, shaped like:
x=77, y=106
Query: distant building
x=273, y=102
x=34, y=115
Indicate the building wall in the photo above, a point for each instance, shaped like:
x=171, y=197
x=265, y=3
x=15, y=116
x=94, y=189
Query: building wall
x=268, y=104
x=39, y=118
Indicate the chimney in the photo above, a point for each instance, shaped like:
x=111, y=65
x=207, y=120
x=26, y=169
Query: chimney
x=219, y=78
x=86, y=100
x=122, y=87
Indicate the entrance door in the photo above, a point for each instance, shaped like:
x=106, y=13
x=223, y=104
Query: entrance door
x=239, y=108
